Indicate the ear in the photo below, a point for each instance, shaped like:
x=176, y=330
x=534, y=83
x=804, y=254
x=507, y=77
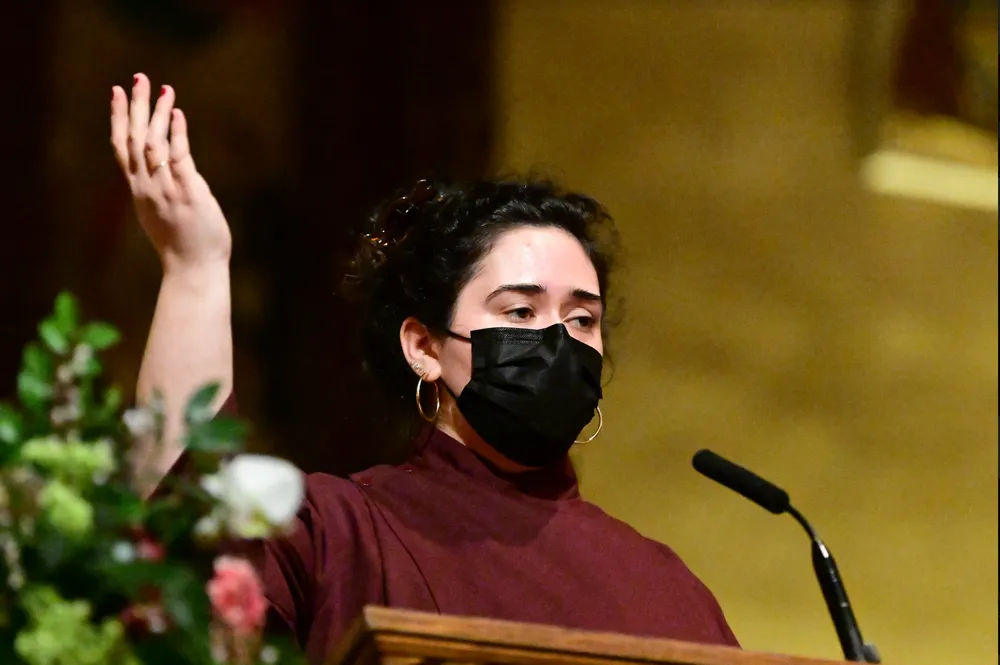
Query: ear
x=420, y=349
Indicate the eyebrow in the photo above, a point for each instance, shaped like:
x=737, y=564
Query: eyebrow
x=524, y=289
x=582, y=294
x=537, y=289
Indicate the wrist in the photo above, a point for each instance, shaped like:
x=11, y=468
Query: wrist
x=207, y=260
x=200, y=278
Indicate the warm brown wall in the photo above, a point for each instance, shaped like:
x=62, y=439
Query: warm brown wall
x=842, y=344
x=303, y=115
x=27, y=103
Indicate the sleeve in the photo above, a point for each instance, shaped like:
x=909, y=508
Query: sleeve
x=318, y=579
x=287, y=567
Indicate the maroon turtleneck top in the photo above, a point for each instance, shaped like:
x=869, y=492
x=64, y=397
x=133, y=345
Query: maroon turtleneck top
x=446, y=532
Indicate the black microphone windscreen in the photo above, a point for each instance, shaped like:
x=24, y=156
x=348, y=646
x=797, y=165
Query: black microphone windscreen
x=735, y=477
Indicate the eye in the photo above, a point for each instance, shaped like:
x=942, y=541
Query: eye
x=519, y=315
x=584, y=322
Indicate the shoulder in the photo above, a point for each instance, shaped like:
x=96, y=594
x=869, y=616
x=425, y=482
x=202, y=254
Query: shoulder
x=658, y=549
x=710, y=605
x=345, y=501
x=335, y=517
x=379, y=474
x=329, y=496
x=673, y=567
x=327, y=485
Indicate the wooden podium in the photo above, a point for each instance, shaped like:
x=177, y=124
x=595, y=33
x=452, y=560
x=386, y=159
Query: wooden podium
x=384, y=636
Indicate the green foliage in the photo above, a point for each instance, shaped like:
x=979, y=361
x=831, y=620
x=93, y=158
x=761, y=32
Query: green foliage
x=220, y=436
x=99, y=336
x=199, y=408
x=66, y=509
x=80, y=547
x=60, y=632
x=66, y=314
x=11, y=426
x=71, y=461
x=33, y=392
x=37, y=363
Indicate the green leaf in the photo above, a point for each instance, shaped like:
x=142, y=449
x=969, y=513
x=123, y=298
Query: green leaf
x=53, y=337
x=33, y=392
x=132, y=577
x=172, y=517
x=199, y=407
x=37, y=362
x=10, y=425
x=184, y=599
x=99, y=336
x=131, y=509
x=117, y=505
x=67, y=313
x=112, y=401
x=91, y=368
x=217, y=436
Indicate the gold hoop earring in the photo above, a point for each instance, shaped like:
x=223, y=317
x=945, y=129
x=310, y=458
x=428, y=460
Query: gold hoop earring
x=420, y=404
x=600, y=424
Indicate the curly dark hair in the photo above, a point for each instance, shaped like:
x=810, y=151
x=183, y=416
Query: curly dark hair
x=420, y=249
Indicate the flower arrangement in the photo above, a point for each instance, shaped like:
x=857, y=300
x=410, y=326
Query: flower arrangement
x=91, y=571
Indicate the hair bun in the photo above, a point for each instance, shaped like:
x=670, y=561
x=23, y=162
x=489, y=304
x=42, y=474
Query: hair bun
x=394, y=221
x=387, y=227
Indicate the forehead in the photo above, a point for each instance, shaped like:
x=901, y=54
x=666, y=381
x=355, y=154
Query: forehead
x=546, y=256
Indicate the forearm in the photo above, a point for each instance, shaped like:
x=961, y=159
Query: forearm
x=190, y=344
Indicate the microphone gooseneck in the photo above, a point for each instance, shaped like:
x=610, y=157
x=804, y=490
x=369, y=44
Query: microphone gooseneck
x=775, y=500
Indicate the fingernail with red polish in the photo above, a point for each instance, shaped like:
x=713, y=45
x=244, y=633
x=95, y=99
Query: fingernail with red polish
x=163, y=90
x=135, y=80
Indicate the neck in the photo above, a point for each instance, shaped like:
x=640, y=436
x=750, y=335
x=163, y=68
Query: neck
x=451, y=421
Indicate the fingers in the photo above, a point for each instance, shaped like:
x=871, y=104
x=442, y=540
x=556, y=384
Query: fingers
x=138, y=123
x=140, y=140
x=119, y=127
x=180, y=150
x=157, y=150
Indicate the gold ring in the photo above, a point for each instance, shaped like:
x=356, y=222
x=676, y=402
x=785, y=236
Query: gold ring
x=159, y=166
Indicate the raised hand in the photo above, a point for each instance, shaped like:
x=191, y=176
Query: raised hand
x=190, y=340
x=174, y=204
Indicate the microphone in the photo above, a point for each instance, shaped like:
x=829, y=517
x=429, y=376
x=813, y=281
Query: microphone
x=772, y=498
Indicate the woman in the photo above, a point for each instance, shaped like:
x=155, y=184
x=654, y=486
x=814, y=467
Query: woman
x=485, y=307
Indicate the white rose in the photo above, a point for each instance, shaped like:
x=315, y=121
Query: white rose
x=259, y=494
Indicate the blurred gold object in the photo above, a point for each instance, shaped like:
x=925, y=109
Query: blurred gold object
x=926, y=110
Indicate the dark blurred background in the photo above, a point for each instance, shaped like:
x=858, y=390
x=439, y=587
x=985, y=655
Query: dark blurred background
x=303, y=116
x=807, y=194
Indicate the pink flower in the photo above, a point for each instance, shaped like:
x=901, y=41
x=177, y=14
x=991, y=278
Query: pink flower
x=237, y=595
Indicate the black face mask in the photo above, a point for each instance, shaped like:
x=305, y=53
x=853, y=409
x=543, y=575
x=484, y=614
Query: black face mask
x=531, y=392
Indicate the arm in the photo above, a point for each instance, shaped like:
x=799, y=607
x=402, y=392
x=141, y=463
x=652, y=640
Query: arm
x=189, y=344
x=190, y=341
x=318, y=579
